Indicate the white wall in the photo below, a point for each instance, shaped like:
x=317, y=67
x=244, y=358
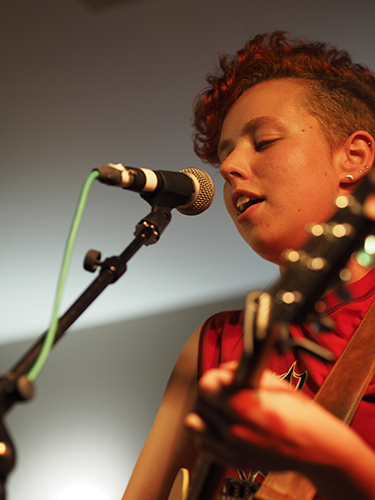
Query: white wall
x=96, y=400
x=81, y=88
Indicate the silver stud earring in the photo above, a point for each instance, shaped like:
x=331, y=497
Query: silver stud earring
x=367, y=166
x=350, y=177
x=360, y=171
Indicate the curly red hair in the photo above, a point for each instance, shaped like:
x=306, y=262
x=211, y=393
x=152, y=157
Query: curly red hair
x=339, y=92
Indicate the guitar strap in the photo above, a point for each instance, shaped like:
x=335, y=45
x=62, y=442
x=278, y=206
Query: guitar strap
x=341, y=394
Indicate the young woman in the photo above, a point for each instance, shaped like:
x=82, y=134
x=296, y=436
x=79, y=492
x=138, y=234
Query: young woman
x=291, y=124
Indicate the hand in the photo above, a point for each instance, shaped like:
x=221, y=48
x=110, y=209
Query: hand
x=272, y=428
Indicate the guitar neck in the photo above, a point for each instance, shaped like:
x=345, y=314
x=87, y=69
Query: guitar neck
x=207, y=480
x=290, y=300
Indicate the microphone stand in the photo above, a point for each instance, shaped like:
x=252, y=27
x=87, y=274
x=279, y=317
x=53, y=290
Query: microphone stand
x=14, y=385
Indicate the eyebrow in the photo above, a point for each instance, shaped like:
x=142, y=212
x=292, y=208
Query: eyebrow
x=249, y=127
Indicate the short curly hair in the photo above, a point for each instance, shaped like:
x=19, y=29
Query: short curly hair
x=339, y=92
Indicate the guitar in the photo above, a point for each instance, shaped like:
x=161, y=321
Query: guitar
x=292, y=299
x=232, y=489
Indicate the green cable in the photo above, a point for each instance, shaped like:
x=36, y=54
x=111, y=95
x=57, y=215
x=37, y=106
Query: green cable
x=51, y=334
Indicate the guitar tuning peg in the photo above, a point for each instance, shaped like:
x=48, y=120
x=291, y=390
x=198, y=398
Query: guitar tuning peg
x=343, y=292
x=314, y=350
x=366, y=256
x=339, y=287
x=324, y=325
x=285, y=342
x=321, y=323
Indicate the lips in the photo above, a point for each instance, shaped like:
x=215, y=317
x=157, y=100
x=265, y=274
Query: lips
x=244, y=201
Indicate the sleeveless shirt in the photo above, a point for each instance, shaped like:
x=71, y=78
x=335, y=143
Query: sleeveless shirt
x=221, y=340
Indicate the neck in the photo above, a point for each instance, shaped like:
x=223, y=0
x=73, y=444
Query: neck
x=356, y=271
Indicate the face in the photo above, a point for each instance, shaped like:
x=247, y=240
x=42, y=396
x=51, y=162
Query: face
x=278, y=169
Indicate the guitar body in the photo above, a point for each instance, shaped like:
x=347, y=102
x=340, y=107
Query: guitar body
x=180, y=486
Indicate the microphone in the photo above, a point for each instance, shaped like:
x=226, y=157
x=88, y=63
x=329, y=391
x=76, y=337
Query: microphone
x=191, y=191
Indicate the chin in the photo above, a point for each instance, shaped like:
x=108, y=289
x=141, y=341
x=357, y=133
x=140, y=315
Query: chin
x=271, y=249
x=267, y=252
x=275, y=259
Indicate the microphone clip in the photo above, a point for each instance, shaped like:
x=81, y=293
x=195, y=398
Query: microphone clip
x=152, y=226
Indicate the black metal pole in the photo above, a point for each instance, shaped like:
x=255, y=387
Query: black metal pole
x=14, y=385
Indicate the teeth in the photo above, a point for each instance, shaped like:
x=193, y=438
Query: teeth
x=245, y=201
x=242, y=202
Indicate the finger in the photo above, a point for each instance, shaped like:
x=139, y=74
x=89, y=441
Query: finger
x=222, y=408
x=229, y=365
x=227, y=450
x=272, y=382
x=195, y=423
x=258, y=412
x=214, y=379
x=211, y=443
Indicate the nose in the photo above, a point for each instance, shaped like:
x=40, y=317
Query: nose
x=236, y=165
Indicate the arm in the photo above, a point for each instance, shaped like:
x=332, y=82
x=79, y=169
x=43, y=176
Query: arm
x=276, y=429
x=169, y=446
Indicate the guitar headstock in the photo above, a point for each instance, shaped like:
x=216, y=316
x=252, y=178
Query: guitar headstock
x=309, y=272
x=321, y=263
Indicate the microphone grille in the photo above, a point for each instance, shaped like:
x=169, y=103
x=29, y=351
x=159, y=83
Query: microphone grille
x=206, y=192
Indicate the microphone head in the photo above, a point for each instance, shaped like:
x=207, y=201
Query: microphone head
x=206, y=192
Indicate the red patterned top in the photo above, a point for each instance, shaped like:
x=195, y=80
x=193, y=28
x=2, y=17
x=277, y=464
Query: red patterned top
x=221, y=340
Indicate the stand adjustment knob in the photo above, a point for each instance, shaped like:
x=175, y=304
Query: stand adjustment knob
x=92, y=261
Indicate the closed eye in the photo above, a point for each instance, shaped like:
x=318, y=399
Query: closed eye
x=262, y=145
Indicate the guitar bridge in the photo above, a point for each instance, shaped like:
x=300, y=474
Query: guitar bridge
x=238, y=489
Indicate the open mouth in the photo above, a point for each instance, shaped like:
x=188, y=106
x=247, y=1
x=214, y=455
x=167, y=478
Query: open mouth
x=244, y=202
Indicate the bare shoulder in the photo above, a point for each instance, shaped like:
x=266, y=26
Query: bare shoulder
x=169, y=447
x=185, y=369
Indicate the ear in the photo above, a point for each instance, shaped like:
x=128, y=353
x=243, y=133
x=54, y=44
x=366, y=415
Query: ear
x=355, y=158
